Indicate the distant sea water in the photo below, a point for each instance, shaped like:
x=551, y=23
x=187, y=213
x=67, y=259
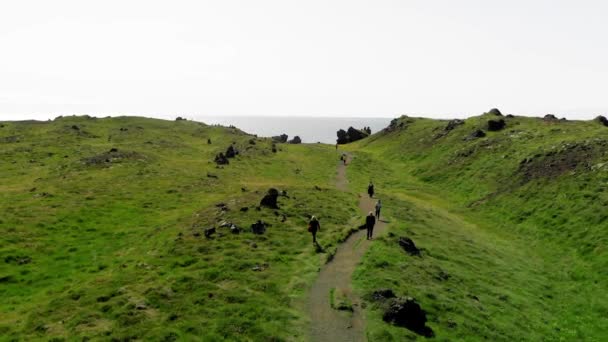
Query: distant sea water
x=309, y=129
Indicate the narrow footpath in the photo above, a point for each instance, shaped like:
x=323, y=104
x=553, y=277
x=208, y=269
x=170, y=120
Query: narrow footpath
x=328, y=324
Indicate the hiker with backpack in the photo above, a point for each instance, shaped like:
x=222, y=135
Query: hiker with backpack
x=370, y=222
x=313, y=227
x=378, y=207
x=370, y=190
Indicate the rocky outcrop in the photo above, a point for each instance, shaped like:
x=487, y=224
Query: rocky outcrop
x=476, y=134
x=220, y=159
x=453, y=124
x=351, y=135
x=550, y=118
x=295, y=140
x=408, y=246
x=231, y=152
x=407, y=313
x=496, y=125
x=259, y=227
x=495, y=111
x=602, y=120
x=280, y=138
x=270, y=199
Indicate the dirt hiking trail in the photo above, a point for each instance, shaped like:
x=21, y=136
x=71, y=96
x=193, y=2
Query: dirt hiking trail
x=327, y=323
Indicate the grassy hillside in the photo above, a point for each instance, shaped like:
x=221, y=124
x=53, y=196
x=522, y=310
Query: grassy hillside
x=103, y=229
x=512, y=226
x=102, y=243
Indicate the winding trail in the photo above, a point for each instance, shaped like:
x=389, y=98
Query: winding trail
x=328, y=324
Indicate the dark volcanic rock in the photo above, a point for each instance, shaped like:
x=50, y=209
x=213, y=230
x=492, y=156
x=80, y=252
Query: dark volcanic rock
x=295, y=140
x=475, y=135
x=280, y=138
x=550, y=117
x=406, y=312
x=259, y=227
x=510, y=116
x=453, y=124
x=408, y=245
x=495, y=111
x=220, y=159
x=496, y=125
x=270, y=199
x=602, y=120
x=383, y=294
x=350, y=135
x=231, y=152
x=209, y=232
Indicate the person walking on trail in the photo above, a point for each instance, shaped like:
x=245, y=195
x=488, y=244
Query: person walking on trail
x=313, y=227
x=370, y=190
x=378, y=207
x=344, y=157
x=370, y=222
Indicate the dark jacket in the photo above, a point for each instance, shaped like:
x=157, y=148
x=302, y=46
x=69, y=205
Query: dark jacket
x=314, y=225
x=370, y=221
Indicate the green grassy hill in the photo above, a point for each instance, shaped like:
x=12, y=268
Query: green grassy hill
x=513, y=226
x=103, y=229
x=111, y=245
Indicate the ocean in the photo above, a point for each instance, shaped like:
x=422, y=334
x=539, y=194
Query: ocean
x=309, y=129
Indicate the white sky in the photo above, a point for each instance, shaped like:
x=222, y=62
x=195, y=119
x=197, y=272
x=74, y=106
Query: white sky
x=307, y=58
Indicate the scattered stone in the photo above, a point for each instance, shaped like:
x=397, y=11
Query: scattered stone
x=510, y=116
x=209, y=232
x=244, y=209
x=141, y=306
x=383, y=294
x=17, y=260
x=251, y=141
x=259, y=227
x=244, y=189
x=112, y=156
x=602, y=120
x=453, y=124
x=234, y=229
x=231, y=152
x=495, y=111
x=496, y=125
x=259, y=268
x=280, y=138
x=221, y=159
x=208, y=141
x=442, y=276
x=270, y=199
x=406, y=312
x=295, y=140
x=475, y=135
x=274, y=148
x=179, y=118
x=211, y=175
x=408, y=245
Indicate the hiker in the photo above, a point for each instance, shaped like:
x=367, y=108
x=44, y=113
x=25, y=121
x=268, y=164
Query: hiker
x=313, y=227
x=370, y=221
x=378, y=207
x=344, y=157
x=370, y=190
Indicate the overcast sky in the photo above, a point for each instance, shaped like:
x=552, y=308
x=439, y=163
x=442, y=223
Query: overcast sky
x=307, y=58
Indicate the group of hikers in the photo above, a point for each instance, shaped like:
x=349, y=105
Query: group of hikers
x=370, y=220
